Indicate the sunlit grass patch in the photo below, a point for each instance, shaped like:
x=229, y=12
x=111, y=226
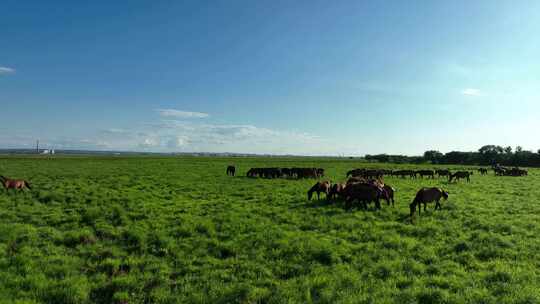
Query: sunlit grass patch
x=150, y=230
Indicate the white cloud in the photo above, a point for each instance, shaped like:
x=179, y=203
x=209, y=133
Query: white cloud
x=178, y=142
x=181, y=135
x=150, y=142
x=6, y=70
x=472, y=92
x=180, y=114
x=190, y=136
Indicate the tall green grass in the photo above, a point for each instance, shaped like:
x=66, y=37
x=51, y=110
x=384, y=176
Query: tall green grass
x=178, y=230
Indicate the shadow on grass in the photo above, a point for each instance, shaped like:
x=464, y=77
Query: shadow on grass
x=322, y=203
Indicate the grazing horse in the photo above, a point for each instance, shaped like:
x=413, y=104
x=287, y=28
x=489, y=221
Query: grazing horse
x=388, y=194
x=428, y=173
x=459, y=175
x=355, y=172
x=427, y=195
x=336, y=190
x=483, y=171
x=356, y=179
x=231, y=170
x=363, y=192
x=443, y=172
x=18, y=184
x=319, y=187
x=404, y=173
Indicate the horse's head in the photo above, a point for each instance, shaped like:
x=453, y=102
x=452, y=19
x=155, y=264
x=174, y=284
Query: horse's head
x=412, y=208
x=445, y=194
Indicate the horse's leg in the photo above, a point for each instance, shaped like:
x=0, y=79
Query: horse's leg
x=425, y=205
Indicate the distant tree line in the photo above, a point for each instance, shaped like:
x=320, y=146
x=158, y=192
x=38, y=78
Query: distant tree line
x=485, y=156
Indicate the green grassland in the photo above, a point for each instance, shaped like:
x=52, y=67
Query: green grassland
x=178, y=230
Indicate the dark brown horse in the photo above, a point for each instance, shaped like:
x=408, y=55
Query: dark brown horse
x=18, y=184
x=459, y=175
x=336, y=190
x=428, y=173
x=443, y=172
x=231, y=170
x=364, y=193
x=425, y=196
x=319, y=187
x=388, y=194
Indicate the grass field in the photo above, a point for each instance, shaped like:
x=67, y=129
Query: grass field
x=178, y=230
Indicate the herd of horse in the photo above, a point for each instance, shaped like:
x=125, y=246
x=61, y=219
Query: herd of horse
x=446, y=173
x=503, y=171
x=296, y=173
x=362, y=191
x=365, y=186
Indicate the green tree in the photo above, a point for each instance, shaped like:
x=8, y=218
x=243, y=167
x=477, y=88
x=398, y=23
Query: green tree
x=433, y=156
x=490, y=154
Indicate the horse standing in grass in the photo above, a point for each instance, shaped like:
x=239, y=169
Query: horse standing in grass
x=425, y=196
x=364, y=193
x=428, y=173
x=443, y=172
x=231, y=170
x=319, y=187
x=459, y=175
x=388, y=194
x=18, y=184
x=336, y=190
x=483, y=171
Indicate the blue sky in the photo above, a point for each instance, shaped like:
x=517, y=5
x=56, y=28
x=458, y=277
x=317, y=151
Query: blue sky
x=302, y=77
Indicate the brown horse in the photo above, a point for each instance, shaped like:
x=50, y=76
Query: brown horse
x=428, y=173
x=459, y=175
x=336, y=190
x=388, y=194
x=364, y=193
x=319, y=187
x=427, y=195
x=443, y=172
x=18, y=184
